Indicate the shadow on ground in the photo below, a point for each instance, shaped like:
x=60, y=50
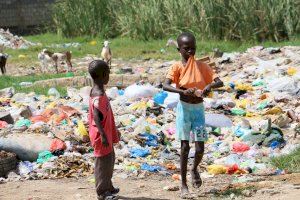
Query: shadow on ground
x=139, y=198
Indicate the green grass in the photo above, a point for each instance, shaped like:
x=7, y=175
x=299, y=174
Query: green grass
x=14, y=81
x=126, y=48
x=290, y=162
x=122, y=47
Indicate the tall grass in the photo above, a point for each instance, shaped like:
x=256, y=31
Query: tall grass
x=218, y=19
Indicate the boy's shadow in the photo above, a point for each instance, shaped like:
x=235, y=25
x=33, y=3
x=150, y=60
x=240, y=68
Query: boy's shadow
x=139, y=198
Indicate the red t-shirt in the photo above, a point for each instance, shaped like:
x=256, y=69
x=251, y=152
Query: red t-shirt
x=108, y=123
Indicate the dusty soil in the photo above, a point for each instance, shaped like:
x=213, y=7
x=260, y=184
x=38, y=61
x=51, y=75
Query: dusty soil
x=286, y=187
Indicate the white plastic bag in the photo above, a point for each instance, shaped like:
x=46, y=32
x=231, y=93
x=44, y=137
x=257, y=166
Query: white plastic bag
x=140, y=91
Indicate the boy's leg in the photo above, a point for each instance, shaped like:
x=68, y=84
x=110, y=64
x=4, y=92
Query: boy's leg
x=185, y=148
x=113, y=190
x=103, y=174
x=199, y=151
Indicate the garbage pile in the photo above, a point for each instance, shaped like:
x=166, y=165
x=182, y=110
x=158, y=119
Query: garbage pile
x=9, y=40
x=249, y=121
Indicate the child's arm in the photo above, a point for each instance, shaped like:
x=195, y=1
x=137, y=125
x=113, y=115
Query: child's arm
x=167, y=87
x=98, y=117
x=216, y=84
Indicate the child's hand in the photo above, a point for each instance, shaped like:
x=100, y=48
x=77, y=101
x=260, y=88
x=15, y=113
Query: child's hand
x=189, y=92
x=104, y=141
x=207, y=90
x=198, y=93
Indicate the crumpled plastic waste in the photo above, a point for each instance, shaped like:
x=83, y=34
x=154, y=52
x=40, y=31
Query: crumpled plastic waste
x=139, y=152
x=57, y=144
x=151, y=140
x=216, y=169
x=25, y=167
x=160, y=97
x=23, y=122
x=151, y=168
x=44, y=156
x=239, y=147
x=3, y=124
x=140, y=91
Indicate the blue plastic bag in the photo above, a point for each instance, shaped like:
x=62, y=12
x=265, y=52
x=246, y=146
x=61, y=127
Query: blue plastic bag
x=151, y=168
x=151, y=140
x=160, y=97
x=139, y=152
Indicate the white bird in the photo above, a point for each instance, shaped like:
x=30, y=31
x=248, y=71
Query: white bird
x=106, y=53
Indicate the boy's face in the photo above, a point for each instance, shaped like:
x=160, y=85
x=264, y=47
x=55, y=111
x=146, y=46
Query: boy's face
x=187, y=47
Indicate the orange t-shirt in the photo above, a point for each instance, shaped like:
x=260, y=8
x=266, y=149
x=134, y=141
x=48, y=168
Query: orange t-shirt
x=194, y=74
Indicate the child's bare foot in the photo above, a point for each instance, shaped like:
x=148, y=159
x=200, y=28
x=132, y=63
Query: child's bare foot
x=185, y=194
x=196, y=179
x=115, y=190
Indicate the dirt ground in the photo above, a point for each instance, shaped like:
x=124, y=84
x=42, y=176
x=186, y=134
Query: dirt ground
x=285, y=187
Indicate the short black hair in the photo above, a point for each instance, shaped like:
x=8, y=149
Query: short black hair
x=97, y=67
x=187, y=35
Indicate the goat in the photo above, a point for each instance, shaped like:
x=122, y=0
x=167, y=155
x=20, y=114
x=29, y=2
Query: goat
x=3, y=59
x=172, y=42
x=47, y=56
x=106, y=53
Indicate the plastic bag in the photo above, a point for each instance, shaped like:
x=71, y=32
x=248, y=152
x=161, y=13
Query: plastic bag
x=23, y=122
x=140, y=91
x=139, y=152
x=112, y=92
x=53, y=92
x=217, y=120
x=171, y=100
x=240, y=147
x=44, y=156
x=25, y=168
x=160, y=97
x=216, y=169
x=57, y=144
x=283, y=84
x=237, y=111
x=151, y=168
x=81, y=129
x=3, y=124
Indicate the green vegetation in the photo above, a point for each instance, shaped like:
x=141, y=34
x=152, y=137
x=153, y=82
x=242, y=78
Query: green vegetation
x=242, y=20
x=122, y=47
x=125, y=48
x=290, y=162
x=14, y=81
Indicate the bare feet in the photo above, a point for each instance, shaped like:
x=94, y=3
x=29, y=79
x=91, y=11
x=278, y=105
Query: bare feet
x=185, y=194
x=196, y=179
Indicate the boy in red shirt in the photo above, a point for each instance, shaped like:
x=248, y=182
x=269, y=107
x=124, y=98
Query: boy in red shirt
x=102, y=131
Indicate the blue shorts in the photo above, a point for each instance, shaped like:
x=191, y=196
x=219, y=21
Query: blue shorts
x=190, y=122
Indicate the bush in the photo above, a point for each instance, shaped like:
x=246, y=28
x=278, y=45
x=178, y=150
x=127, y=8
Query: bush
x=218, y=19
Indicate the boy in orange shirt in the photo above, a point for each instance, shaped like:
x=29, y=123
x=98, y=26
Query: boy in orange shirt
x=193, y=80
